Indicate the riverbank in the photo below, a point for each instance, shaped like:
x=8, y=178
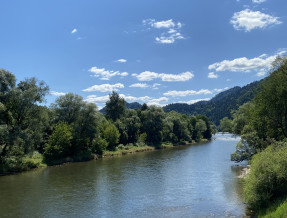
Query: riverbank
x=36, y=159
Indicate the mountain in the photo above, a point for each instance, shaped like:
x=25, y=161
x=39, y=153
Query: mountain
x=133, y=105
x=219, y=106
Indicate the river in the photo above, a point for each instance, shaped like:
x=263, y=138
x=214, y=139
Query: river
x=186, y=181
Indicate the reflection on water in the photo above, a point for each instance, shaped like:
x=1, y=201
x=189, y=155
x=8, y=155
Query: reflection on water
x=188, y=181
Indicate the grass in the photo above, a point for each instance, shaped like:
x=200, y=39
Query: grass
x=129, y=149
x=276, y=210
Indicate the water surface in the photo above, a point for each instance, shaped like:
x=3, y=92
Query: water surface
x=187, y=181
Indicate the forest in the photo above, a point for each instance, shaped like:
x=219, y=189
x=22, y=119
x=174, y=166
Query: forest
x=33, y=135
x=262, y=124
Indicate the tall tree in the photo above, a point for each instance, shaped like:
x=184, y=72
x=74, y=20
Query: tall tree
x=115, y=107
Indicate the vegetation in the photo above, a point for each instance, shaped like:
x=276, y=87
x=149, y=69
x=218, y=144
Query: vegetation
x=32, y=135
x=221, y=105
x=262, y=124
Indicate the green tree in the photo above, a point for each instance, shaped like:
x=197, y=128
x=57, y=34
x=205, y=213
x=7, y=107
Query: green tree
x=226, y=125
x=152, y=124
x=83, y=118
x=200, y=128
x=60, y=144
x=22, y=120
x=115, y=107
x=110, y=133
x=267, y=181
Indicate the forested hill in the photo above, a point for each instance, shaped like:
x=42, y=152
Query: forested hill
x=219, y=106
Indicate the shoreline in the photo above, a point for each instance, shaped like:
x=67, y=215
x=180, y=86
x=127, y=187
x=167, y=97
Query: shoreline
x=126, y=150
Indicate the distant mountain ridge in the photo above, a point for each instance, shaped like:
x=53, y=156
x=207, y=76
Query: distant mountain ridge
x=219, y=106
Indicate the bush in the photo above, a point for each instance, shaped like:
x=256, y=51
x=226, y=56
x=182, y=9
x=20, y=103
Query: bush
x=267, y=181
x=59, y=143
x=99, y=146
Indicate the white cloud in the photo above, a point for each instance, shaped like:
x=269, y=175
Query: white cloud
x=164, y=24
x=124, y=73
x=97, y=99
x=106, y=74
x=74, y=31
x=148, y=76
x=155, y=85
x=185, y=93
x=54, y=93
x=258, y=1
x=248, y=20
x=261, y=64
x=195, y=101
x=149, y=100
x=105, y=88
x=212, y=75
x=170, y=35
x=121, y=61
x=139, y=85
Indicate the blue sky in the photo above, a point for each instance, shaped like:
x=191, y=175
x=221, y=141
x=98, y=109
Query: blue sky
x=153, y=51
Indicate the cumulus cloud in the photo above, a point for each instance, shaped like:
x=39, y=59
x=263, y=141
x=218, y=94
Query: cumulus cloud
x=258, y=1
x=248, y=20
x=104, y=74
x=139, y=85
x=212, y=75
x=195, y=101
x=185, y=93
x=54, y=93
x=171, y=30
x=74, y=31
x=148, y=76
x=121, y=61
x=105, y=88
x=261, y=64
x=149, y=100
x=97, y=99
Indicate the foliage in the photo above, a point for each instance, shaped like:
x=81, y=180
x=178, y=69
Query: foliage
x=267, y=180
x=110, y=133
x=152, y=124
x=60, y=143
x=265, y=118
x=226, y=125
x=278, y=209
x=115, y=107
x=73, y=130
x=220, y=106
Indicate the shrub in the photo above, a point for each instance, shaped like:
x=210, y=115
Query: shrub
x=267, y=181
x=59, y=143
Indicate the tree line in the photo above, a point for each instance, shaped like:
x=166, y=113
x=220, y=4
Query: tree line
x=262, y=124
x=74, y=130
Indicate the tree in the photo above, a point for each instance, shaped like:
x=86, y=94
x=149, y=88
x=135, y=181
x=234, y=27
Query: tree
x=226, y=125
x=110, y=133
x=23, y=120
x=115, y=107
x=152, y=124
x=200, y=128
x=83, y=118
x=59, y=143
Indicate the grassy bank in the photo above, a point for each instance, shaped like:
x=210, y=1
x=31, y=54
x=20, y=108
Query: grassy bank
x=276, y=210
x=36, y=160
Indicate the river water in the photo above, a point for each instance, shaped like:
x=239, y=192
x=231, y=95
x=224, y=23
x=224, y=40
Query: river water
x=187, y=181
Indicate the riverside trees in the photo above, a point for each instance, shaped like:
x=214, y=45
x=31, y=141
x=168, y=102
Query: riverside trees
x=73, y=130
x=262, y=124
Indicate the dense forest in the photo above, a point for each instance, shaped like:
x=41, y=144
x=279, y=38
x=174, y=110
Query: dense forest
x=262, y=124
x=73, y=130
x=219, y=106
